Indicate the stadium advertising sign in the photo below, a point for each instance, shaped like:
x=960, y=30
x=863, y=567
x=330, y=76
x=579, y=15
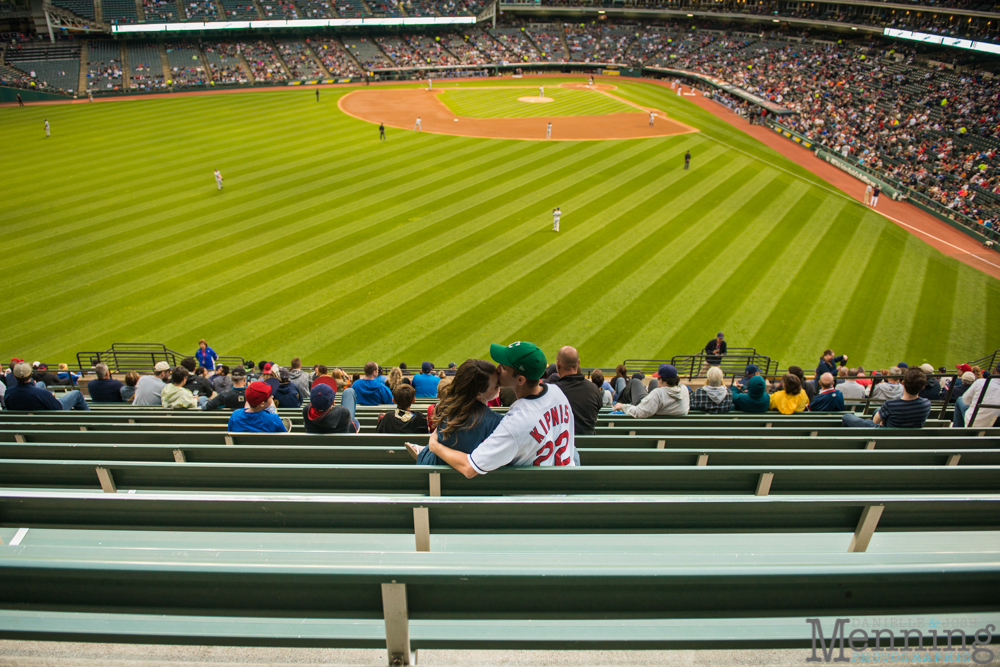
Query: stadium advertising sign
x=292, y=23
x=942, y=41
x=902, y=640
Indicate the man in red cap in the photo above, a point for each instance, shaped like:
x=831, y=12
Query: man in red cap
x=256, y=417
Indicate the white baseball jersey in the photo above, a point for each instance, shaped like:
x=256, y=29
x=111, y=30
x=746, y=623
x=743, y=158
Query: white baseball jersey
x=536, y=431
x=555, y=216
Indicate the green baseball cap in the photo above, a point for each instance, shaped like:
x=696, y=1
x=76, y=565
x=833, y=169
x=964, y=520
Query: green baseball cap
x=526, y=358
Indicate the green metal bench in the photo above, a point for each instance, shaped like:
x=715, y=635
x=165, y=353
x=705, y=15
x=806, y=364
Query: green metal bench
x=495, y=600
x=590, y=456
x=777, y=439
x=442, y=480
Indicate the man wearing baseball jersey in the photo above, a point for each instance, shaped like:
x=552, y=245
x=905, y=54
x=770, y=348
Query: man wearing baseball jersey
x=556, y=214
x=537, y=429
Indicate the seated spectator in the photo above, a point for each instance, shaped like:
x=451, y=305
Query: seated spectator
x=66, y=377
x=27, y=395
x=198, y=382
x=634, y=390
x=322, y=416
x=751, y=371
x=425, y=382
x=128, y=389
x=851, y=389
x=149, y=387
x=287, y=394
x=792, y=398
x=299, y=377
x=583, y=395
x=323, y=376
x=829, y=398
x=932, y=391
x=889, y=388
x=620, y=381
x=442, y=392
x=463, y=419
x=257, y=418
x=607, y=396
x=909, y=411
x=9, y=378
x=222, y=381
x=395, y=379
x=402, y=420
x=42, y=375
x=452, y=369
x=713, y=397
x=104, y=389
x=669, y=399
x=962, y=385
x=524, y=436
x=965, y=407
x=810, y=387
x=176, y=396
x=755, y=400
x=369, y=390
x=233, y=398
x=863, y=380
x=271, y=374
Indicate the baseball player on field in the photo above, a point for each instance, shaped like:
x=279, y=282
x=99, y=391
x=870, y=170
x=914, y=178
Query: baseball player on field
x=218, y=178
x=537, y=429
x=548, y=131
x=416, y=126
x=556, y=214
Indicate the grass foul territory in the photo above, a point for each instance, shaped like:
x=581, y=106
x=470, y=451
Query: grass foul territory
x=328, y=244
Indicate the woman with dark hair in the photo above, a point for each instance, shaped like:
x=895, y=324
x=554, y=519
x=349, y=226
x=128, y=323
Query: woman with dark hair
x=620, y=381
x=462, y=420
x=792, y=398
x=607, y=395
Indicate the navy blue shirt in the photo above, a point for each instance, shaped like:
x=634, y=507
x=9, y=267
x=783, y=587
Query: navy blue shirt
x=898, y=413
x=479, y=426
x=29, y=397
x=107, y=390
x=827, y=401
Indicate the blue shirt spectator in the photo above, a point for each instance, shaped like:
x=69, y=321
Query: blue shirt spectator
x=425, y=383
x=369, y=390
x=205, y=355
x=257, y=418
x=105, y=389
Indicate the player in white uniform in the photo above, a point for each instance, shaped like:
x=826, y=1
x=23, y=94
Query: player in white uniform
x=548, y=131
x=556, y=214
x=537, y=429
x=218, y=178
x=48, y=132
x=868, y=194
x=541, y=91
x=416, y=126
x=651, y=116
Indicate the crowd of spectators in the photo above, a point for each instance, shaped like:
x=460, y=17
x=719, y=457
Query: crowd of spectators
x=264, y=64
x=549, y=41
x=334, y=58
x=223, y=58
x=202, y=10
x=464, y=49
x=299, y=60
x=185, y=65
x=430, y=50
x=160, y=10
x=399, y=52
x=515, y=47
x=280, y=9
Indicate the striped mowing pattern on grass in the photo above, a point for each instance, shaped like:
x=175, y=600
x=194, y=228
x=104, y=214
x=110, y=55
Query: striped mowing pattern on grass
x=504, y=103
x=332, y=246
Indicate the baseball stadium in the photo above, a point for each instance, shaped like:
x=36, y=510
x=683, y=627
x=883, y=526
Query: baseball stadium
x=338, y=281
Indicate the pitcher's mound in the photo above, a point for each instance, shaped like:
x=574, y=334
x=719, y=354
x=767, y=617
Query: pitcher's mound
x=535, y=100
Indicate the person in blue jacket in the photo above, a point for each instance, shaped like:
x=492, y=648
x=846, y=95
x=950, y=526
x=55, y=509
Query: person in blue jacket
x=368, y=390
x=425, y=383
x=827, y=364
x=206, y=356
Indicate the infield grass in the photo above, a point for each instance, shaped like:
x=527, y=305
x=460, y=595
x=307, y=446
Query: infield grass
x=329, y=245
x=504, y=103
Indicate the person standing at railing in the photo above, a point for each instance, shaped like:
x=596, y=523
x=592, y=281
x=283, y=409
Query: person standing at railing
x=714, y=351
x=206, y=356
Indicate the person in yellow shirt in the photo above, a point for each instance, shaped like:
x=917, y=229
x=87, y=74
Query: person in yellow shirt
x=791, y=398
x=176, y=396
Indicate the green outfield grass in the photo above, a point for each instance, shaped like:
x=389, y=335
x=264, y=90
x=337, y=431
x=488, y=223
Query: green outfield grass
x=504, y=103
x=332, y=246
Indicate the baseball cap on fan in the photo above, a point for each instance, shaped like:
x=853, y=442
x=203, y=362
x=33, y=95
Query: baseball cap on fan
x=523, y=357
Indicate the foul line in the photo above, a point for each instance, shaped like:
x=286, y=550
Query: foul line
x=852, y=199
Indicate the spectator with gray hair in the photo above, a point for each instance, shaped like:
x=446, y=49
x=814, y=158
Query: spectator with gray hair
x=104, y=389
x=713, y=397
